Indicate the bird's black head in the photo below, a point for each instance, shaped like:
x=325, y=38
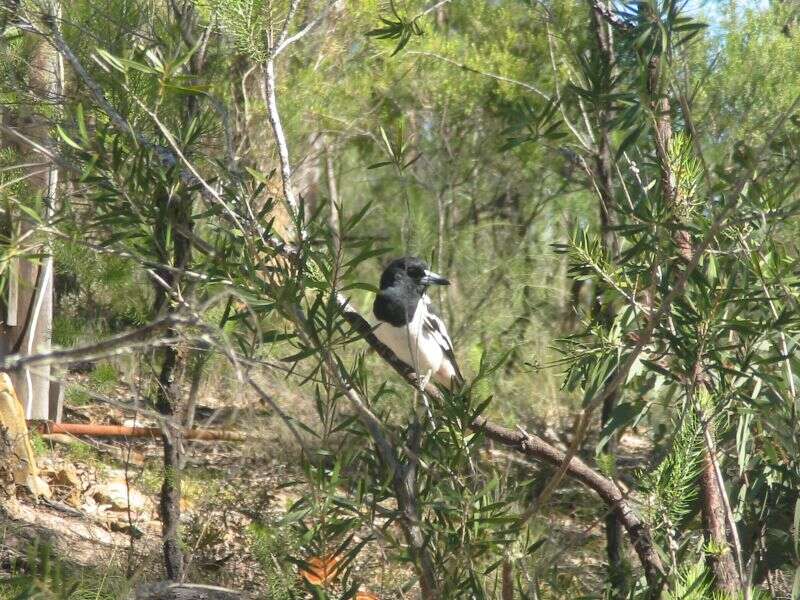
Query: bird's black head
x=410, y=272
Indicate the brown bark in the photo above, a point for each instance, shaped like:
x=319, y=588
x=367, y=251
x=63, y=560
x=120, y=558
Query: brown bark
x=176, y=226
x=605, y=186
x=722, y=561
x=507, y=591
x=536, y=448
x=169, y=505
x=405, y=486
x=714, y=517
x=167, y=403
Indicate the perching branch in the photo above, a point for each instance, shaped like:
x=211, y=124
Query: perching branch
x=403, y=475
x=536, y=448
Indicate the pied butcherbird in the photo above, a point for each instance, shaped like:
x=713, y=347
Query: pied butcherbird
x=408, y=326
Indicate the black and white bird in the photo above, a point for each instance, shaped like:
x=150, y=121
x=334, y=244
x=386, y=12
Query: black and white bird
x=409, y=328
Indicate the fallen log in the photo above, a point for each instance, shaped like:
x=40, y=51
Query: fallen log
x=92, y=429
x=168, y=590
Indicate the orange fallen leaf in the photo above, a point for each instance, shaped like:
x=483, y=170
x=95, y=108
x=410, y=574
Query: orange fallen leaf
x=321, y=569
x=366, y=596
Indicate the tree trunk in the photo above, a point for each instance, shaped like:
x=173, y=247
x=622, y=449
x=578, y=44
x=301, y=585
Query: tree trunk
x=507, y=591
x=722, y=560
x=28, y=314
x=603, y=180
x=170, y=504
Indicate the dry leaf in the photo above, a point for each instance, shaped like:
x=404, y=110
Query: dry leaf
x=321, y=569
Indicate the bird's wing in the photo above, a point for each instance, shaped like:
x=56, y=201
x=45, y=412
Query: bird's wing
x=434, y=326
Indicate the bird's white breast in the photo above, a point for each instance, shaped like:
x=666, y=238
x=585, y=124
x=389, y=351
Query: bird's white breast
x=412, y=344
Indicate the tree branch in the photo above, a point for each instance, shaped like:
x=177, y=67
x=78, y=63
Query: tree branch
x=117, y=344
x=605, y=11
x=271, y=100
x=284, y=42
x=536, y=448
x=467, y=67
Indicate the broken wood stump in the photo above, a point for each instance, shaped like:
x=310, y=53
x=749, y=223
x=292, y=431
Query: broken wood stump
x=16, y=452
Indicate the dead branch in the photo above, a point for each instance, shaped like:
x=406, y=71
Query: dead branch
x=95, y=430
x=167, y=590
x=122, y=343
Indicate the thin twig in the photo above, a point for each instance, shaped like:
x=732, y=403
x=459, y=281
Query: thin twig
x=430, y=9
x=117, y=344
x=279, y=48
x=466, y=67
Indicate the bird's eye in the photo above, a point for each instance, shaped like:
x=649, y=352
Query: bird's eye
x=415, y=271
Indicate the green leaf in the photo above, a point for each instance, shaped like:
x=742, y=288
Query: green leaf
x=300, y=355
x=535, y=546
x=378, y=165
x=629, y=140
x=67, y=139
x=111, y=60
x=623, y=415
x=31, y=212
x=271, y=337
x=79, y=117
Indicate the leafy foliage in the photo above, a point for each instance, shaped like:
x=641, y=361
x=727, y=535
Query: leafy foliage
x=614, y=212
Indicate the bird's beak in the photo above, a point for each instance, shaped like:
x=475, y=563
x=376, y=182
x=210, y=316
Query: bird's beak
x=432, y=278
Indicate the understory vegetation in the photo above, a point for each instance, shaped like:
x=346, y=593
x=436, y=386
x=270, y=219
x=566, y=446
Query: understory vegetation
x=198, y=197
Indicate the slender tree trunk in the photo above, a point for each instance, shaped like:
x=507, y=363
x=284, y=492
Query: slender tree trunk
x=608, y=313
x=178, y=213
x=167, y=403
x=170, y=503
x=405, y=486
x=722, y=560
x=507, y=591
